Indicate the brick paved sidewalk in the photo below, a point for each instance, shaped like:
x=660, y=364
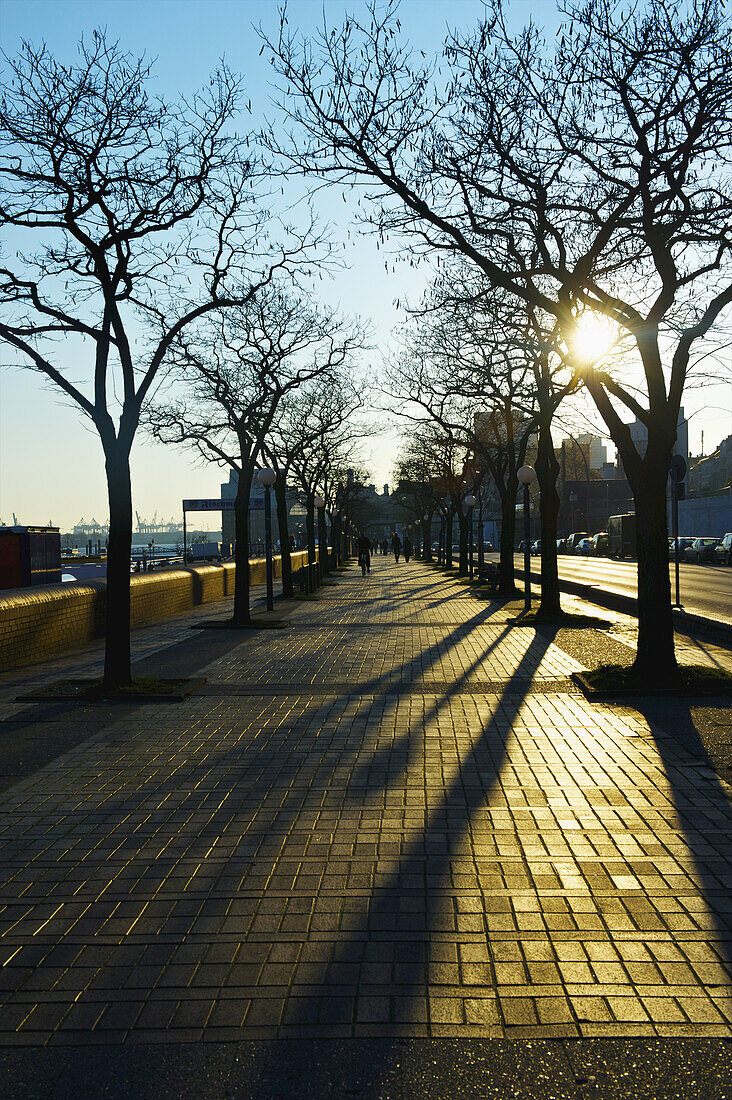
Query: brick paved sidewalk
x=394, y=818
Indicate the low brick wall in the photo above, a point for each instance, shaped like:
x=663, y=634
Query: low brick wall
x=38, y=623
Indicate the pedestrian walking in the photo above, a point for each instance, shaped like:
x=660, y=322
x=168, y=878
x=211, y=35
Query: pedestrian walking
x=396, y=545
x=384, y=546
x=364, y=554
x=407, y=548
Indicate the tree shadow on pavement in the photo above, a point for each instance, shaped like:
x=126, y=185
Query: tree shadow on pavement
x=395, y=945
x=701, y=803
x=139, y=820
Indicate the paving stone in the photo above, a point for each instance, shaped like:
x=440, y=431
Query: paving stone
x=395, y=814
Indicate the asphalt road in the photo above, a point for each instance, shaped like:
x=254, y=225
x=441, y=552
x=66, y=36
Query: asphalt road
x=704, y=589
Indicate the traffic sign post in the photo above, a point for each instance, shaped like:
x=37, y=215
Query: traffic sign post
x=677, y=473
x=212, y=504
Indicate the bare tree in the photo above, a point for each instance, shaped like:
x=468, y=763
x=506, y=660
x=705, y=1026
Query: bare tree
x=494, y=369
x=586, y=178
x=132, y=218
x=415, y=469
x=347, y=494
x=473, y=365
x=315, y=437
x=237, y=371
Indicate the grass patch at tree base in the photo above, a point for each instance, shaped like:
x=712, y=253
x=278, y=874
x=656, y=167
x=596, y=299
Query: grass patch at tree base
x=620, y=681
x=566, y=619
x=143, y=689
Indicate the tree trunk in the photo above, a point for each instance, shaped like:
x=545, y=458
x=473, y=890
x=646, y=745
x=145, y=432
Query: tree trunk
x=241, y=551
x=547, y=471
x=336, y=527
x=117, y=660
x=310, y=527
x=655, y=662
x=448, y=539
x=463, y=529
x=426, y=533
x=286, y=562
x=323, y=543
x=506, y=578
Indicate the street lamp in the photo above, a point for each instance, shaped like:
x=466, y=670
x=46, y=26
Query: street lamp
x=267, y=478
x=319, y=503
x=526, y=475
x=470, y=503
x=572, y=502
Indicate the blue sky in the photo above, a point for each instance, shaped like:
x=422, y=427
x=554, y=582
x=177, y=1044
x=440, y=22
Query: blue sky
x=50, y=462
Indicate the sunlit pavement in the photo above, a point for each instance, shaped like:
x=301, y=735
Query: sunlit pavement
x=395, y=819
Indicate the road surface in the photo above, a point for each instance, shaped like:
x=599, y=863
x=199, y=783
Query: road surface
x=704, y=589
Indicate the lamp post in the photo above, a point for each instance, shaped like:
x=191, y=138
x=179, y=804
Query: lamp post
x=267, y=478
x=470, y=503
x=319, y=503
x=526, y=475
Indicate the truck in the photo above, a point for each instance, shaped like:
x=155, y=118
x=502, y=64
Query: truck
x=29, y=556
x=205, y=551
x=621, y=536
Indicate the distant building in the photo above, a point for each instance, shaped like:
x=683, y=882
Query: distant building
x=711, y=473
x=639, y=435
x=595, y=449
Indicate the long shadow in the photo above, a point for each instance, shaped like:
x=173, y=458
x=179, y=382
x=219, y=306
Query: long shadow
x=379, y=760
x=701, y=803
x=403, y=913
x=33, y=737
x=132, y=845
x=288, y=801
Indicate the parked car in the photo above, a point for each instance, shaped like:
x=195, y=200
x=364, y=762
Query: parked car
x=599, y=544
x=572, y=540
x=723, y=550
x=583, y=547
x=684, y=542
x=701, y=549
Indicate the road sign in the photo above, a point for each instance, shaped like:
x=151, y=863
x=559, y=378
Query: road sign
x=213, y=505
x=678, y=468
x=208, y=505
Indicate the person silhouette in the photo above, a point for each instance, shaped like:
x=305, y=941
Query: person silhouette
x=364, y=554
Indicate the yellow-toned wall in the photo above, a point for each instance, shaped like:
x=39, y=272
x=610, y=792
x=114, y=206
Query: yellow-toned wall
x=38, y=623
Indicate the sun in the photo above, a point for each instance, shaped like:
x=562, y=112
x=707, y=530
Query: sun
x=593, y=337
